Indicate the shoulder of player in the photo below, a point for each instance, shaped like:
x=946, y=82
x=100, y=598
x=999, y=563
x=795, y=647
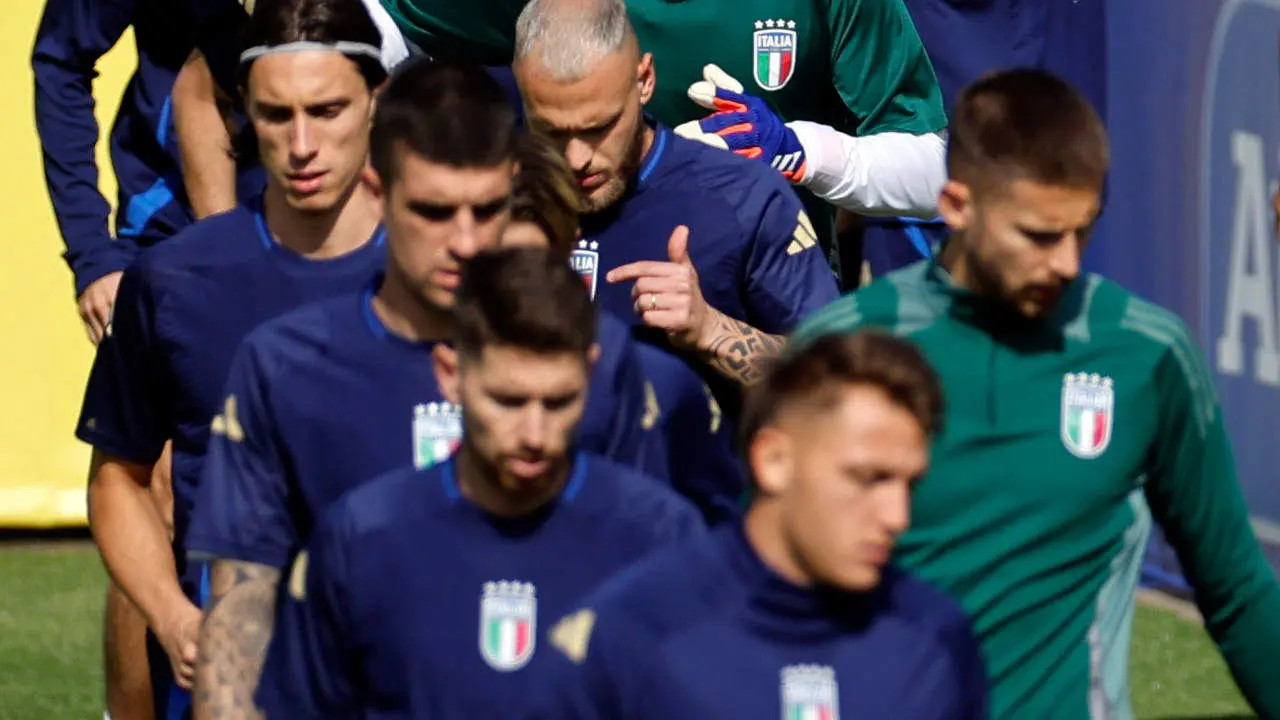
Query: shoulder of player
x=1113, y=314
x=405, y=495
x=224, y=239
x=634, y=501
x=299, y=336
x=876, y=305
x=728, y=179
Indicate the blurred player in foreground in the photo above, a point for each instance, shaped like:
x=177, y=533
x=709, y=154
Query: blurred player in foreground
x=795, y=612
x=690, y=443
x=185, y=305
x=714, y=253
x=1076, y=411
x=333, y=394
x=372, y=623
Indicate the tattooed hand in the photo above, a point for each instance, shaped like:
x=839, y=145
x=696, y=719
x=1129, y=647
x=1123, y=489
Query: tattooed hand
x=233, y=641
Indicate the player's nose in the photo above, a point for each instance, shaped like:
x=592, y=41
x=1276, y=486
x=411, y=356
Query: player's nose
x=1064, y=259
x=301, y=138
x=579, y=154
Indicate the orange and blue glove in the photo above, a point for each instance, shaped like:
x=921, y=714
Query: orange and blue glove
x=743, y=124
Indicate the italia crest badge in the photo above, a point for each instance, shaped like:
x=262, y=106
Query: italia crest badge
x=809, y=692
x=775, y=52
x=586, y=262
x=508, y=624
x=1088, y=413
x=437, y=431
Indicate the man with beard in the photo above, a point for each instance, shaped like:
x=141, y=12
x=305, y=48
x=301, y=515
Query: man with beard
x=403, y=573
x=712, y=252
x=186, y=303
x=323, y=398
x=1076, y=412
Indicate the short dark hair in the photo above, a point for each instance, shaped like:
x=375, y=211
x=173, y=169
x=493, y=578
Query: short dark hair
x=522, y=297
x=1026, y=124
x=867, y=357
x=545, y=192
x=278, y=22
x=447, y=113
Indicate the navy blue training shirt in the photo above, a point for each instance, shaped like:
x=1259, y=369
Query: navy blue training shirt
x=695, y=445
x=748, y=238
x=326, y=397
x=708, y=631
x=182, y=310
x=412, y=602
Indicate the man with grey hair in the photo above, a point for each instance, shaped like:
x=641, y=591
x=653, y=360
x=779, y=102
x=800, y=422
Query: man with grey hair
x=709, y=254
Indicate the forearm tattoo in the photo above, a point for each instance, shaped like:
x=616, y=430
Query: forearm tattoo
x=233, y=640
x=740, y=351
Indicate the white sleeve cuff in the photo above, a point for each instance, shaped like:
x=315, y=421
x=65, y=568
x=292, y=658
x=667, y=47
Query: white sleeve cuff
x=887, y=174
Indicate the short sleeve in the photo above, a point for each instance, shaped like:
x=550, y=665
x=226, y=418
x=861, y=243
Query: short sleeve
x=127, y=403
x=787, y=275
x=243, y=511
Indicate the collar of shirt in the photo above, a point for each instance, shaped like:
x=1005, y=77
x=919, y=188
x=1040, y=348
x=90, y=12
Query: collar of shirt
x=782, y=608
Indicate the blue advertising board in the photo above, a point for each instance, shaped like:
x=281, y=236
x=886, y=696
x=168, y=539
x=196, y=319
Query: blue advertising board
x=1194, y=116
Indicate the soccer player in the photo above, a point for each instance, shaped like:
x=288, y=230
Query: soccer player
x=330, y=395
x=711, y=251
x=793, y=612
x=185, y=304
x=842, y=98
x=689, y=442
x=372, y=623
x=1076, y=412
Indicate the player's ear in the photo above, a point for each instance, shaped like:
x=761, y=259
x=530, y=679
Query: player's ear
x=770, y=455
x=955, y=205
x=593, y=355
x=646, y=77
x=444, y=360
x=373, y=182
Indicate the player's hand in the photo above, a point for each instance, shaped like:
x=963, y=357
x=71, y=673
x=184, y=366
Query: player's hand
x=178, y=636
x=95, y=305
x=744, y=124
x=667, y=295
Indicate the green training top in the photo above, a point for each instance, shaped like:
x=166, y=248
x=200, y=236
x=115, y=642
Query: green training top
x=1062, y=440
x=856, y=65
x=476, y=31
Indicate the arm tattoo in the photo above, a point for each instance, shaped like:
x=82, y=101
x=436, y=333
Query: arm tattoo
x=740, y=351
x=238, y=623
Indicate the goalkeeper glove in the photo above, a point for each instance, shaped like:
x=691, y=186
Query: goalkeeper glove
x=744, y=124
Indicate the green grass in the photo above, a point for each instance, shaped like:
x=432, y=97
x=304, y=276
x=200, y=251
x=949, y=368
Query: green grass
x=51, y=602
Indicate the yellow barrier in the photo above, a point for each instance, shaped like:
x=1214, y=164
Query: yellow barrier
x=44, y=353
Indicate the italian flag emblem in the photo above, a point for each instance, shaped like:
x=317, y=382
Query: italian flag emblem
x=809, y=692
x=508, y=624
x=1088, y=414
x=775, y=52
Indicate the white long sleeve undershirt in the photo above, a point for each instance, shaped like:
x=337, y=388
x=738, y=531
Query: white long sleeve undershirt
x=887, y=174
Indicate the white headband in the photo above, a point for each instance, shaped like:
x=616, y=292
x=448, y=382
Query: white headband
x=342, y=46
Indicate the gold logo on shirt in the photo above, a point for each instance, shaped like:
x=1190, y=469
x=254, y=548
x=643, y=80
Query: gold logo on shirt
x=227, y=423
x=572, y=635
x=298, y=577
x=652, y=412
x=804, y=236
x=714, y=407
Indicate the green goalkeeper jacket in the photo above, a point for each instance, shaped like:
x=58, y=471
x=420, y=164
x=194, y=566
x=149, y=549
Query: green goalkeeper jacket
x=1063, y=439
